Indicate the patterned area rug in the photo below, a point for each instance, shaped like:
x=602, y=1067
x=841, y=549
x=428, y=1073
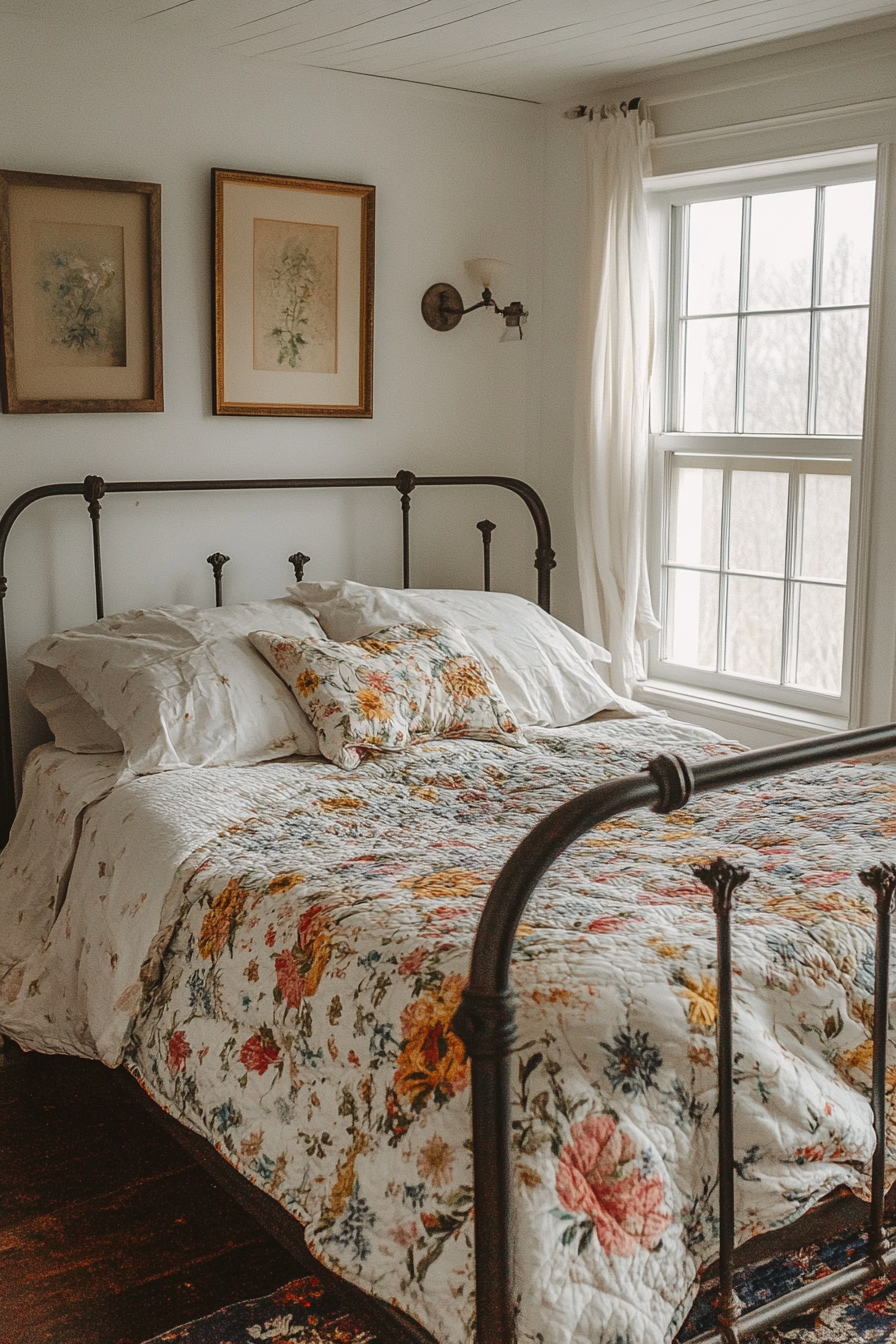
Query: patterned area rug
x=302, y=1311
x=868, y=1314
x=305, y=1312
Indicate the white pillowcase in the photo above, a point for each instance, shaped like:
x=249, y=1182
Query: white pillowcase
x=545, y=670
x=75, y=724
x=183, y=687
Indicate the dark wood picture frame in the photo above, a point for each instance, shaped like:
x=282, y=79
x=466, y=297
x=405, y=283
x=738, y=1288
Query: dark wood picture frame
x=293, y=266
x=83, y=344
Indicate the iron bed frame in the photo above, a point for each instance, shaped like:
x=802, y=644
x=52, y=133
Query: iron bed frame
x=485, y=1021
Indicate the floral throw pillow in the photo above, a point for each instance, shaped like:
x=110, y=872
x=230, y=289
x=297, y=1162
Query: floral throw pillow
x=404, y=684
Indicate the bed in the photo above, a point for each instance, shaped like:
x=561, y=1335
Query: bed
x=279, y=951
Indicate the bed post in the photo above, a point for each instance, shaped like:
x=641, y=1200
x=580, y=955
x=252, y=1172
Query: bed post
x=486, y=528
x=882, y=881
x=217, y=562
x=405, y=482
x=94, y=489
x=722, y=879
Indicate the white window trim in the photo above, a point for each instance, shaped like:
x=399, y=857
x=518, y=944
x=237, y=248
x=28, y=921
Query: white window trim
x=763, y=718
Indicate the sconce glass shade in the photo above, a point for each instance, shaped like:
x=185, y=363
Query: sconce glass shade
x=486, y=272
x=514, y=332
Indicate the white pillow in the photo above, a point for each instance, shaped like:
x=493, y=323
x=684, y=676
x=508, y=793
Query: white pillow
x=544, y=670
x=74, y=723
x=183, y=687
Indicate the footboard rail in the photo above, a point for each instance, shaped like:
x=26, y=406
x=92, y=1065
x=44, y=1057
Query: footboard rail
x=485, y=1022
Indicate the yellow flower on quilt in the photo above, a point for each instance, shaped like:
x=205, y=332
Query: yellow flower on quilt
x=442, y=886
x=306, y=683
x=221, y=922
x=463, y=679
x=372, y=705
x=703, y=1000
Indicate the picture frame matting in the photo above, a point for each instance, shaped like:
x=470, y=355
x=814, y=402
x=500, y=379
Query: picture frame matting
x=293, y=263
x=80, y=294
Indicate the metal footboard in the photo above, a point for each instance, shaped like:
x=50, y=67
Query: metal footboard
x=485, y=1022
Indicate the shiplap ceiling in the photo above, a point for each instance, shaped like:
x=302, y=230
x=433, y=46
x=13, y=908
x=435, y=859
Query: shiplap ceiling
x=530, y=49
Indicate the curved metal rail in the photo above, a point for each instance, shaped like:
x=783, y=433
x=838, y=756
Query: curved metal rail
x=485, y=1021
x=94, y=490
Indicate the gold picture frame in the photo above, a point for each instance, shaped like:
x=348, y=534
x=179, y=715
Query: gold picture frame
x=80, y=294
x=293, y=295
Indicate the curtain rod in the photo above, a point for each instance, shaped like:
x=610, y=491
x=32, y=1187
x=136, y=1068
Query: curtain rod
x=583, y=110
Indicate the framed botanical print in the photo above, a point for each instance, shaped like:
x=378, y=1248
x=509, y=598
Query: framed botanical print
x=293, y=295
x=80, y=294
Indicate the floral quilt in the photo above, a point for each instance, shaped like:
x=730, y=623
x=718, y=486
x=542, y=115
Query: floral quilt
x=290, y=995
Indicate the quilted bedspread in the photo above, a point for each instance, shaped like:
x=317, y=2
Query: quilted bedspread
x=290, y=994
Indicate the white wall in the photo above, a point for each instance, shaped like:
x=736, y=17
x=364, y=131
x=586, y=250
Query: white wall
x=823, y=94
x=457, y=176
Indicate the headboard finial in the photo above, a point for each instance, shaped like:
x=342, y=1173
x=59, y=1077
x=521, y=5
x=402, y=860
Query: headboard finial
x=94, y=489
x=298, y=562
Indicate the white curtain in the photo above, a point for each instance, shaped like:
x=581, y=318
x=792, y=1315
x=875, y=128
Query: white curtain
x=612, y=449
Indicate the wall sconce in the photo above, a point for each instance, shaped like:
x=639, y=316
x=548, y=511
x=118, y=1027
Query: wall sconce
x=442, y=306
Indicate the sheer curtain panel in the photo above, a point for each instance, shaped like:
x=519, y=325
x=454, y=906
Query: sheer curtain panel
x=612, y=449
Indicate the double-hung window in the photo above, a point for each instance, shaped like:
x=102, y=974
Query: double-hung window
x=757, y=468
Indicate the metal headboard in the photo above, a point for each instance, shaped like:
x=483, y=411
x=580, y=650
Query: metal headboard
x=93, y=489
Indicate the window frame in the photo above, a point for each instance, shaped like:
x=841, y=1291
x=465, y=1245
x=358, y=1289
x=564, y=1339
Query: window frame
x=855, y=165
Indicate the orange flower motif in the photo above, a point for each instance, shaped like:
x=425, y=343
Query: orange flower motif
x=442, y=886
x=463, y=678
x=626, y=1210
x=284, y=882
x=307, y=682
x=432, y=1062
x=340, y=804
x=371, y=645
x=299, y=969
x=259, y=1053
x=372, y=705
x=222, y=920
x=178, y=1052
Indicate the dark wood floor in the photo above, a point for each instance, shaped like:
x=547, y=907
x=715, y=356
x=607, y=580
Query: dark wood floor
x=109, y=1231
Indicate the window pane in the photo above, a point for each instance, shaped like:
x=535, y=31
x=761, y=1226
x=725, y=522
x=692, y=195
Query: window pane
x=776, y=387
x=842, y=346
x=695, y=523
x=782, y=228
x=846, y=255
x=820, y=634
x=692, y=603
x=714, y=256
x=754, y=628
x=824, y=540
x=758, y=526
x=710, y=374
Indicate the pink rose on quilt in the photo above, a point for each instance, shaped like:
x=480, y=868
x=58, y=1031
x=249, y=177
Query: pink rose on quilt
x=259, y=1053
x=627, y=1210
x=178, y=1052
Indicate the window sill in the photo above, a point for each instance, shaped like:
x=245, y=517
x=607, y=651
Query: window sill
x=755, y=722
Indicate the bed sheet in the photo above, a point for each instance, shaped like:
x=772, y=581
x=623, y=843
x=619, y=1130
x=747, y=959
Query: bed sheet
x=289, y=995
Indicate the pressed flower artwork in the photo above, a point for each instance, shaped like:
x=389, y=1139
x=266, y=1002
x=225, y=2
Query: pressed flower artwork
x=295, y=295
x=79, y=277
x=80, y=266
x=293, y=300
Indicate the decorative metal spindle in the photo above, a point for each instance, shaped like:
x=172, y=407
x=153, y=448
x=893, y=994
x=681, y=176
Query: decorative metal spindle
x=486, y=528
x=94, y=489
x=723, y=879
x=404, y=484
x=217, y=562
x=882, y=881
x=298, y=562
